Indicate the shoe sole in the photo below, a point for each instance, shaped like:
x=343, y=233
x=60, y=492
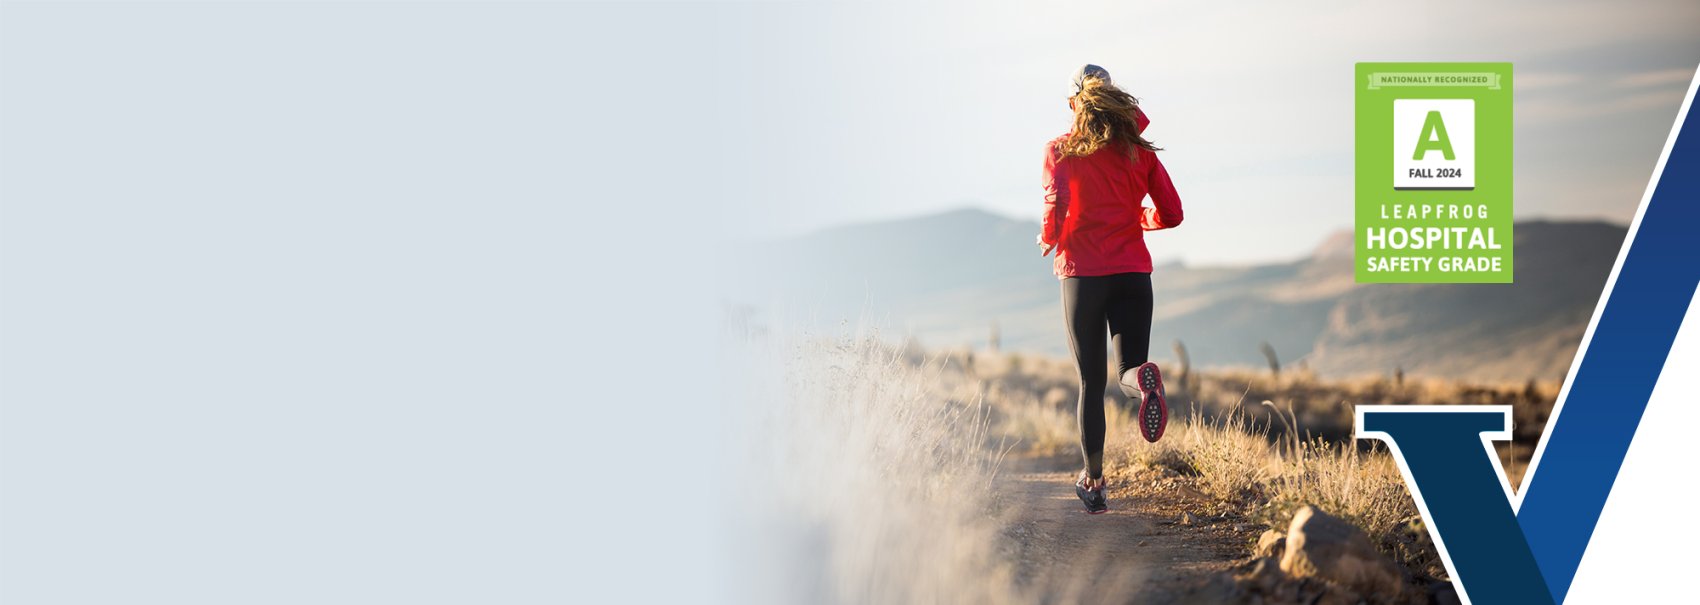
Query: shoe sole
x=1153, y=406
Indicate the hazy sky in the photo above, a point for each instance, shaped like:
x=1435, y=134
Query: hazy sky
x=874, y=111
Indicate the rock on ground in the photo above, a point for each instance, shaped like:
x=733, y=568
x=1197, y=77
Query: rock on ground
x=1271, y=544
x=1323, y=546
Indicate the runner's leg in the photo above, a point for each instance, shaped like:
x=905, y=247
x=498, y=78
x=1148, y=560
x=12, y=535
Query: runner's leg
x=1083, y=313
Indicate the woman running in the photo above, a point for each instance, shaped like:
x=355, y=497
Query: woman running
x=1096, y=178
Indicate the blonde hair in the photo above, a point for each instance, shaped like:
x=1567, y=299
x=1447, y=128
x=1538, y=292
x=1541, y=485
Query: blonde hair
x=1104, y=114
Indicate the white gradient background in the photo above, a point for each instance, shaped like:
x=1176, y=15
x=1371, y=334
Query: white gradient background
x=414, y=302
x=368, y=303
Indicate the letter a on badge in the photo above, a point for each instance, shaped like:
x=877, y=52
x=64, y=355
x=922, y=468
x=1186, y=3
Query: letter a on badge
x=1433, y=138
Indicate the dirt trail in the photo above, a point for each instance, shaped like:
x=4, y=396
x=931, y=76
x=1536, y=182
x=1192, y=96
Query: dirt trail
x=1138, y=552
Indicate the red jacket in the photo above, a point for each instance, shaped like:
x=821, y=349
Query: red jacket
x=1094, y=211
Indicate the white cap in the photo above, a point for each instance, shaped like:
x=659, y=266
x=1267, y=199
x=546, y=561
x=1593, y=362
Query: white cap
x=1089, y=71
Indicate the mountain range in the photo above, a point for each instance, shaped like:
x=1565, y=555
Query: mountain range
x=968, y=277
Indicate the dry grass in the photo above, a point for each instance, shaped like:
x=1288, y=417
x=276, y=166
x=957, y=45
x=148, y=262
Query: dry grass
x=862, y=456
x=1033, y=398
x=1258, y=445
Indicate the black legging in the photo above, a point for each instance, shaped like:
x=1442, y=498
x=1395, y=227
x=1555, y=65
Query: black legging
x=1123, y=301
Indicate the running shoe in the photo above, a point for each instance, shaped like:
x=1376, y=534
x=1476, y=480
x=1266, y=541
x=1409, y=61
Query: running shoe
x=1094, y=499
x=1153, y=404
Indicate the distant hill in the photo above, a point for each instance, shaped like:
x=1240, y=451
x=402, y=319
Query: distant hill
x=946, y=279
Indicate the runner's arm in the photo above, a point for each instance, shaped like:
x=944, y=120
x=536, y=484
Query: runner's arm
x=1167, y=212
x=1056, y=198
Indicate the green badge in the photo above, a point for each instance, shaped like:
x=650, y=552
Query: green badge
x=1433, y=173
